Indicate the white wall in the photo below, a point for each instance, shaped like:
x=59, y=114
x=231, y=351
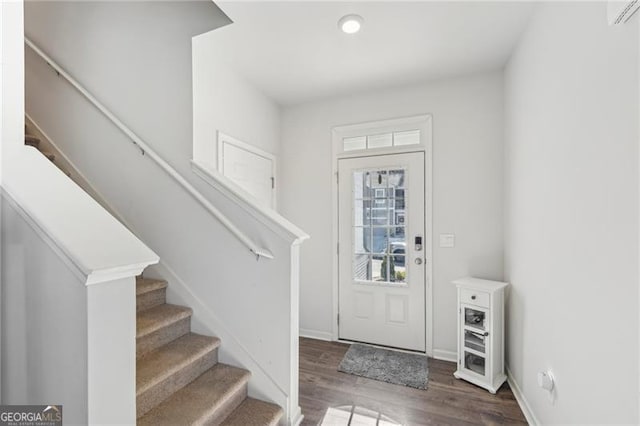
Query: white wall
x=11, y=89
x=224, y=101
x=2, y=89
x=249, y=304
x=571, y=209
x=135, y=57
x=467, y=184
x=45, y=319
x=12, y=82
x=111, y=345
x=44, y=323
x=52, y=335
x=63, y=342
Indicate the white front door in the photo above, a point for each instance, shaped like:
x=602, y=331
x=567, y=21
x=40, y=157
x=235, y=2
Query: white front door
x=381, y=214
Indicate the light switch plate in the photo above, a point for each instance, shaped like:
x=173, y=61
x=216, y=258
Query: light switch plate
x=447, y=240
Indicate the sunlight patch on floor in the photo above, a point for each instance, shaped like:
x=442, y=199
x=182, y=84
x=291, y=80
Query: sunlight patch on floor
x=352, y=415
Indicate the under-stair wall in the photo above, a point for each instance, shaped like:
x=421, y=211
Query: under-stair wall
x=67, y=278
x=250, y=304
x=64, y=342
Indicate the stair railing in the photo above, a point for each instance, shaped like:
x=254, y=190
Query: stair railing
x=146, y=150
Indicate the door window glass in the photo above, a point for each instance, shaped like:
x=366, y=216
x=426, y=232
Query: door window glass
x=379, y=250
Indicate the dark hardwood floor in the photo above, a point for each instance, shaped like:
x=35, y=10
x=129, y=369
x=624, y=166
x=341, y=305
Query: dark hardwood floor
x=446, y=401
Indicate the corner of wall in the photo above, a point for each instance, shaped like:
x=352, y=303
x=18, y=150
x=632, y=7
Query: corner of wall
x=521, y=399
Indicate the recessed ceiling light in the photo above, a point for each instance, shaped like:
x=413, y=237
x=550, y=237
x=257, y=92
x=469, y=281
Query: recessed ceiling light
x=350, y=24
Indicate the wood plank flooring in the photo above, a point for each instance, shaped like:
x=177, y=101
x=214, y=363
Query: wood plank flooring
x=447, y=401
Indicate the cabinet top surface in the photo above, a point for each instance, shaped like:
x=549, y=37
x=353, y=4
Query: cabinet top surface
x=479, y=283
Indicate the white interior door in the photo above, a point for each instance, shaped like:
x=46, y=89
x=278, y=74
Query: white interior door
x=251, y=169
x=381, y=214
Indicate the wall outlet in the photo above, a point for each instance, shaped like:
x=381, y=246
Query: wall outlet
x=547, y=382
x=447, y=240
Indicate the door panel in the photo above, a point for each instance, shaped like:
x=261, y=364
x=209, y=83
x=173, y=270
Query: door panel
x=381, y=270
x=251, y=171
x=475, y=339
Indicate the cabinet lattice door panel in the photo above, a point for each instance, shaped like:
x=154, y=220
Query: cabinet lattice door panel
x=481, y=332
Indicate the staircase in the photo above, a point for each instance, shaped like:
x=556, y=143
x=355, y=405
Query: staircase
x=178, y=378
x=35, y=142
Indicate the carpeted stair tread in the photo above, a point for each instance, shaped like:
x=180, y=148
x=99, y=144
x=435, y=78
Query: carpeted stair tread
x=166, y=360
x=150, y=293
x=146, y=285
x=253, y=412
x=206, y=400
x=154, y=319
x=49, y=155
x=31, y=140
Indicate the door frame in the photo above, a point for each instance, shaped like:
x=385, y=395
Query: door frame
x=424, y=123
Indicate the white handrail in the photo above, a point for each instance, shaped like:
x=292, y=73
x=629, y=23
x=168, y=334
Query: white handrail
x=255, y=249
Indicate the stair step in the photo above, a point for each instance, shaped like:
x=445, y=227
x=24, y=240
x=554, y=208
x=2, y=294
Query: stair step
x=207, y=400
x=150, y=293
x=160, y=325
x=254, y=412
x=49, y=155
x=146, y=285
x=31, y=140
x=173, y=366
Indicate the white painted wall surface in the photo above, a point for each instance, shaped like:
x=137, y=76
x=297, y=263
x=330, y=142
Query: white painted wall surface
x=59, y=346
x=2, y=107
x=93, y=243
x=12, y=83
x=58, y=342
x=11, y=90
x=571, y=210
x=63, y=342
x=248, y=304
x=2, y=101
x=467, y=183
x=135, y=57
x=111, y=347
x=44, y=323
x=224, y=101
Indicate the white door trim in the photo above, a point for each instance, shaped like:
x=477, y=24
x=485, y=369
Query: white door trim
x=424, y=122
x=223, y=138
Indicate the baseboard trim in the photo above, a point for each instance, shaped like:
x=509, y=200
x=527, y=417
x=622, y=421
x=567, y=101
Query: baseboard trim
x=315, y=334
x=520, y=398
x=297, y=418
x=445, y=355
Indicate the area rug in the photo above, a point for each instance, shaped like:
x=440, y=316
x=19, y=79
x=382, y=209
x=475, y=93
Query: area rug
x=385, y=365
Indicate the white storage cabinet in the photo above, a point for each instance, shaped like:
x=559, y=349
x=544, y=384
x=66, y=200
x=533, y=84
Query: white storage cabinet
x=481, y=332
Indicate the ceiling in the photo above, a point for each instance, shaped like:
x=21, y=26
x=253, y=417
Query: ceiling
x=294, y=52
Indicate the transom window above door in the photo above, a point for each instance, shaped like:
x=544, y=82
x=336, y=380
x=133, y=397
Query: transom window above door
x=382, y=140
x=395, y=135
